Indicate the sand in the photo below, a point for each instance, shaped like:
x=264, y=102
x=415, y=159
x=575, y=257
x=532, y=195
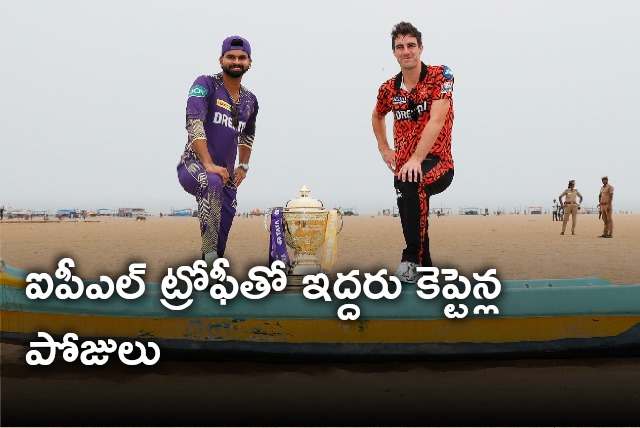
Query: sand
x=547, y=391
x=518, y=246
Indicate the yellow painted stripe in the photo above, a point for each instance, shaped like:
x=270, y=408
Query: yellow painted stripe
x=6, y=279
x=474, y=330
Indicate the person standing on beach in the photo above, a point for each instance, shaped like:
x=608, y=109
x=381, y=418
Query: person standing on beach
x=605, y=200
x=570, y=206
x=1, y=212
x=421, y=99
x=221, y=123
x=560, y=211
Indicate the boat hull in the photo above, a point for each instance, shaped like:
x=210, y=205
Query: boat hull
x=534, y=316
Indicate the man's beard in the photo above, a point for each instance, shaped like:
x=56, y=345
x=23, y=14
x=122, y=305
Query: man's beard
x=237, y=72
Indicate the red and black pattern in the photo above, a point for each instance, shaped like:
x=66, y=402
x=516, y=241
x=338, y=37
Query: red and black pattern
x=407, y=106
x=411, y=110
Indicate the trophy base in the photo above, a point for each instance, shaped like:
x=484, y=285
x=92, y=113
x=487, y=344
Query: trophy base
x=302, y=269
x=294, y=280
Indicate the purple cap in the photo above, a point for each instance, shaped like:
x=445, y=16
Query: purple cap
x=236, y=43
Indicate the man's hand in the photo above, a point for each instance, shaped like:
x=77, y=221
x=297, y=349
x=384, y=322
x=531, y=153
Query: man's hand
x=220, y=170
x=389, y=158
x=240, y=174
x=411, y=171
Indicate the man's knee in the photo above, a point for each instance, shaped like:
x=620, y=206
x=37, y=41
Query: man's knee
x=439, y=185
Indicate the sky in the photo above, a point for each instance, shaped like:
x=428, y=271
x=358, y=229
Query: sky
x=93, y=97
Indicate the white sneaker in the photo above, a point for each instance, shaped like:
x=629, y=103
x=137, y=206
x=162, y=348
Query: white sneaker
x=209, y=258
x=407, y=272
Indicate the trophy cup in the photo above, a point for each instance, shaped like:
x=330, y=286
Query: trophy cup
x=305, y=223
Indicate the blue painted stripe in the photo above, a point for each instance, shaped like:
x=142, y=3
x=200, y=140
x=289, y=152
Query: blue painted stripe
x=530, y=302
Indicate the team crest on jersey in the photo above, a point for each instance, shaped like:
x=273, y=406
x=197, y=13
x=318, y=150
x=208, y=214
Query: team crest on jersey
x=198, y=91
x=447, y=87
x=225, y=105
x=447, y=73
x=398, y=99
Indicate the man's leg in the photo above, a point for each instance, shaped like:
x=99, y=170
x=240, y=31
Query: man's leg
x=608, y=221
x=207, y=188
x=409, y=209
x=227, y=216
x=574, y=218
x=425, y=252
x=429, y=186
x=605, y=220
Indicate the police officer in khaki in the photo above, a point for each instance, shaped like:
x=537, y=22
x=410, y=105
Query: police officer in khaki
x=606, y=198
x=570, y=206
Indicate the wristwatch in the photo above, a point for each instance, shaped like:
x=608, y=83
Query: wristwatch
x=244, y=166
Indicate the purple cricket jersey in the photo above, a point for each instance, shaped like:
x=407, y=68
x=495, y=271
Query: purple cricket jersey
x=210, y=102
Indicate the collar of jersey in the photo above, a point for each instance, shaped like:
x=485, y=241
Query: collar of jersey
x=423, y=74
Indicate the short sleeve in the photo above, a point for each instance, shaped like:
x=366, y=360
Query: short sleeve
x=383, y=103
x=443, y=83
x=198, y=98
x=250, y=128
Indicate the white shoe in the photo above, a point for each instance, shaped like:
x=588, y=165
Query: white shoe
x=209, y=258
x=407, y=272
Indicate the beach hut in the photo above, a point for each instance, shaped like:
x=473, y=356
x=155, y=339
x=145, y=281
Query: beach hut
x=187, y=212
x=441, y=210
x=469, y=211
x=70, y=213
x=135, y=212
x=348, y=211
x=18, y=214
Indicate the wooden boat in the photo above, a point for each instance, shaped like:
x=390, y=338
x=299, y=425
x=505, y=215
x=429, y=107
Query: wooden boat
x=534, y=316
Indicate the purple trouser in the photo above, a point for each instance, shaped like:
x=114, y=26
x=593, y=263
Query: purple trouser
x=216, y=204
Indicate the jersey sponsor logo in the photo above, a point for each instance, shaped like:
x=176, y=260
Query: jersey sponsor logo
x=447, y=87
x=403, y=114
x=399, y=99
x=447, y=73
x=223, y=119
x=198, y=91
x=222, y=103
x=411, y=113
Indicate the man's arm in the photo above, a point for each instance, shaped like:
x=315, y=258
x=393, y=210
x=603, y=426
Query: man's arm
x=380, y=131
x=412, y=170
x=201, y=150
x=580, y=196
x=244, y=154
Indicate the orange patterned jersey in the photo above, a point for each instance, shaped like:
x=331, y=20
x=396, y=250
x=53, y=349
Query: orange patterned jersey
x=411, y=112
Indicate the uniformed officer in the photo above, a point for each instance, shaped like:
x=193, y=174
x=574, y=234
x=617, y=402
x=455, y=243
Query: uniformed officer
x=605, y=199
x=570, y=206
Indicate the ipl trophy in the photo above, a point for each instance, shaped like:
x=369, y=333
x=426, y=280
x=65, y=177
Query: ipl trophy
x=307, y=225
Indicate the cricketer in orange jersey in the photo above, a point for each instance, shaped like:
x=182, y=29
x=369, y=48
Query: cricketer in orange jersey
x=421, y=99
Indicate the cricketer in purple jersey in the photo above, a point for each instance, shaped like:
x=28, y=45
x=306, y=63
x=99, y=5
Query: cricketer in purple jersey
x=227, y=123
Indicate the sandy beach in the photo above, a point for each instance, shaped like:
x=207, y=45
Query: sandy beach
x=518, y=246
x=550, y=391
